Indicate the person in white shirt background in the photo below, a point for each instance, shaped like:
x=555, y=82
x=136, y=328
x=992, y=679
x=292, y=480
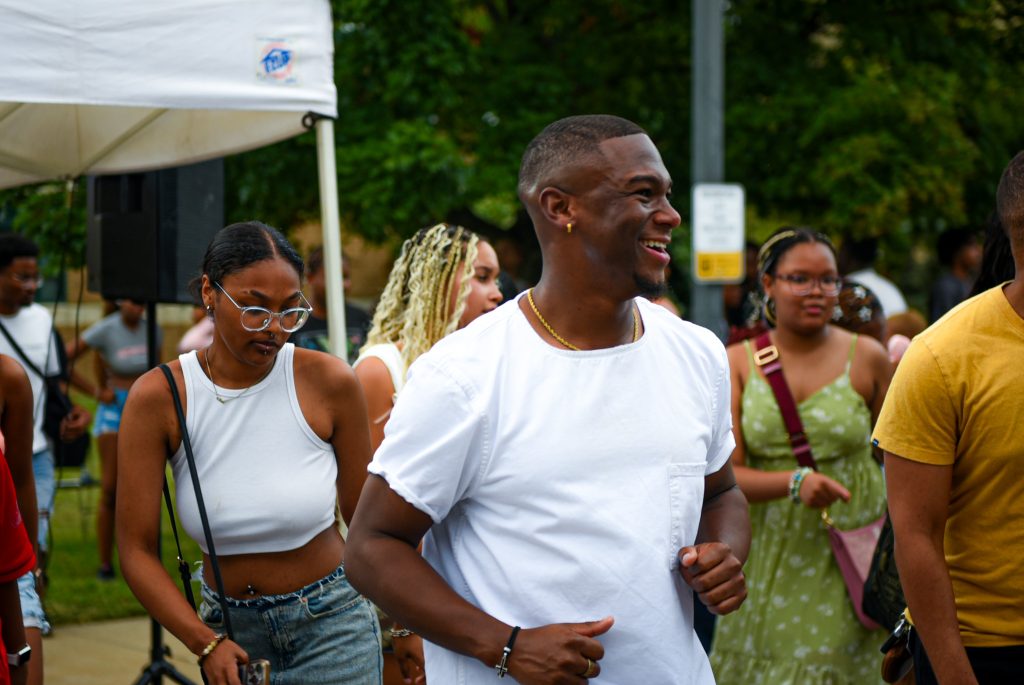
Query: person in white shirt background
x=857, y=263
x=30, y=326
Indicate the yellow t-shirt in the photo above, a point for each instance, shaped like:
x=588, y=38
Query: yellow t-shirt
x=958, y=399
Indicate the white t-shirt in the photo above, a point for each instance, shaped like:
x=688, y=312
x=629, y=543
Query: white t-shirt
x=889, y=296
x=562, y=484
x=31, y=328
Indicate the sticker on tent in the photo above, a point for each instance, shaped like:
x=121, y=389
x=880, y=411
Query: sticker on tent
x=275, y=60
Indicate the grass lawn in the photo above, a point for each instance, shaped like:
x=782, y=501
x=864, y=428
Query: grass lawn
x=75, y=594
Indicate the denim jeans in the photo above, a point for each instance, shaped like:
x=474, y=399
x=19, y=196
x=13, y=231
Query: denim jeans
x=323, y=634
x=46, y=486
x=108, y=416
x=31, y=608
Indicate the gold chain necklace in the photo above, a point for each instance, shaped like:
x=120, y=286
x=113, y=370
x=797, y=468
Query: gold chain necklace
x=556, y=336
x=221, y=398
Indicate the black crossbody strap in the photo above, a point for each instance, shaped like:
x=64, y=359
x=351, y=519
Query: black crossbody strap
x=187, y=444
x=186, y=577
x=21, y=352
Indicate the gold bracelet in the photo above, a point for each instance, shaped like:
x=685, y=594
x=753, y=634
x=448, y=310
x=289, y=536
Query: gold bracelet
x=208, y=649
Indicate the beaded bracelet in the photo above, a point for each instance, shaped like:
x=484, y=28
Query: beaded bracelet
x=401, y=632
x=795, y=480
x=208, y=649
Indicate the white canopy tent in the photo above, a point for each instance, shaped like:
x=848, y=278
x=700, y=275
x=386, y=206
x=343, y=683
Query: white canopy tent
x=116, y=86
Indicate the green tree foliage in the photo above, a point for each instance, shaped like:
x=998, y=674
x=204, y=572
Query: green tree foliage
x=436, y=108
x=884, y=118
x=53, y=218
x=890, y=118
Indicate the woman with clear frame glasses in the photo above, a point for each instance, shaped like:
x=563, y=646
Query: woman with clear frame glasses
x=280, y=437
x=798, y=625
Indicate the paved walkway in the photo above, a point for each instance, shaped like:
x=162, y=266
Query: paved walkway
x=109, y=653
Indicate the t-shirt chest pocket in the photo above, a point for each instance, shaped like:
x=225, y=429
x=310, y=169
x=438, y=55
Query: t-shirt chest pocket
x=686, y=498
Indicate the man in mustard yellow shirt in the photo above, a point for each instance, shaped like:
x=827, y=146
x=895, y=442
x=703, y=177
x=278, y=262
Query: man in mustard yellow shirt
x=952, y=428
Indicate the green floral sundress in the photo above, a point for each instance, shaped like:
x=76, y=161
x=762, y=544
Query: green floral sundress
x=797, y=626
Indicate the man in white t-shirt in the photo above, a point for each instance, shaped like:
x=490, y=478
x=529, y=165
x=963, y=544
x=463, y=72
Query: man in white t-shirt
x=567, y=455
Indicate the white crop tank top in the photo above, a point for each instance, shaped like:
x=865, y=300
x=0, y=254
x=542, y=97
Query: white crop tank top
x=268, y=481
x=392, y=358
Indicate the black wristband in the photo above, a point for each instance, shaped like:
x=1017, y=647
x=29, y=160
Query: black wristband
x=502, y=666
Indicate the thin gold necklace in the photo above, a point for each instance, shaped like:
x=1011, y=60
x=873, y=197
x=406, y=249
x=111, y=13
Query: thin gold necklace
x=556, y=336
x=221, y=398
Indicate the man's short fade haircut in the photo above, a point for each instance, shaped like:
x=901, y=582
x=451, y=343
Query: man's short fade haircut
x=15, y=245
x=566, y=141
x=1010, y=199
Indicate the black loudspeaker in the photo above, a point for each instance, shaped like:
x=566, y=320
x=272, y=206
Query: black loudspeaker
x=148, y=232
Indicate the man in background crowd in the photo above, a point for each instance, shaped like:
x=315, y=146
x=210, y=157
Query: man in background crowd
x=313, y=335
x=27, y=336
x=857, y=257
x=959, y=254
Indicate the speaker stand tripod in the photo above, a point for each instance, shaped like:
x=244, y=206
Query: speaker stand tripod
x=158, y=666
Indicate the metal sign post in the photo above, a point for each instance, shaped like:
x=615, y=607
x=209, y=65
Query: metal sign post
x=707, y=166
x=708, y=162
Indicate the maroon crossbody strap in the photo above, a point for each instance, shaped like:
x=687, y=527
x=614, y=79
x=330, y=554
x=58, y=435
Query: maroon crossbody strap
x=767, y=357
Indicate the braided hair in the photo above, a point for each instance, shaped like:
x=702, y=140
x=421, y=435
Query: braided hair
x=414, y=310
x=773, y=249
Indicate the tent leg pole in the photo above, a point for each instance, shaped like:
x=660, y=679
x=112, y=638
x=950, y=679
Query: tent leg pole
x=331, y=222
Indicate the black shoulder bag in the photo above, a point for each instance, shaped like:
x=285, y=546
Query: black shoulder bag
x=883, y=594
x=257, y=671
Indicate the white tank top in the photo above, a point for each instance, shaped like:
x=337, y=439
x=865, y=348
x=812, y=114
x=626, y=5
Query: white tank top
x=392, y=358
x=268, y=481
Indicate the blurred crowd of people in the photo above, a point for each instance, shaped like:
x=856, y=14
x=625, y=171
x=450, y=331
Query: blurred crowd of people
x=542, y=481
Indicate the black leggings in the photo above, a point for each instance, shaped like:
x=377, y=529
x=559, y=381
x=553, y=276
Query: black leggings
x=992, y=665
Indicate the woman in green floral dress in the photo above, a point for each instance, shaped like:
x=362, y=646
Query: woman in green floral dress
x=798, y=626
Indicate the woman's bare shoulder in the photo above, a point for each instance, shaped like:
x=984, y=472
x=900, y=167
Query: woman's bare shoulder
x=372, y=370
x=151, y=390
x=12, y=372
x=737, y=354
x=324, y=370
x=872, y=353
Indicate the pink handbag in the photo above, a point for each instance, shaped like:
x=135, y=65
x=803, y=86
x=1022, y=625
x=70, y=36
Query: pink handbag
x=852, y=549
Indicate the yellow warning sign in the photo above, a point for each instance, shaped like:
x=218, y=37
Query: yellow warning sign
x=720, y=266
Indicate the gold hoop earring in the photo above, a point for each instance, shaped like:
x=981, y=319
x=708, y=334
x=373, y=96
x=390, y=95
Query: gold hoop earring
x=769, y=312
x=568, y=228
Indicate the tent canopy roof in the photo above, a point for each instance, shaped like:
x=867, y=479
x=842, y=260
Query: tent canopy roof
x=111, y=86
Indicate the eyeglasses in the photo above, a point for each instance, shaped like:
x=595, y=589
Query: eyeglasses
x=800, y=284
x=26, y=281
x=256, y=319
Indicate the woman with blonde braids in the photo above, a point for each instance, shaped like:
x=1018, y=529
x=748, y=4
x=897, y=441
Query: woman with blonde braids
x=444, y=278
